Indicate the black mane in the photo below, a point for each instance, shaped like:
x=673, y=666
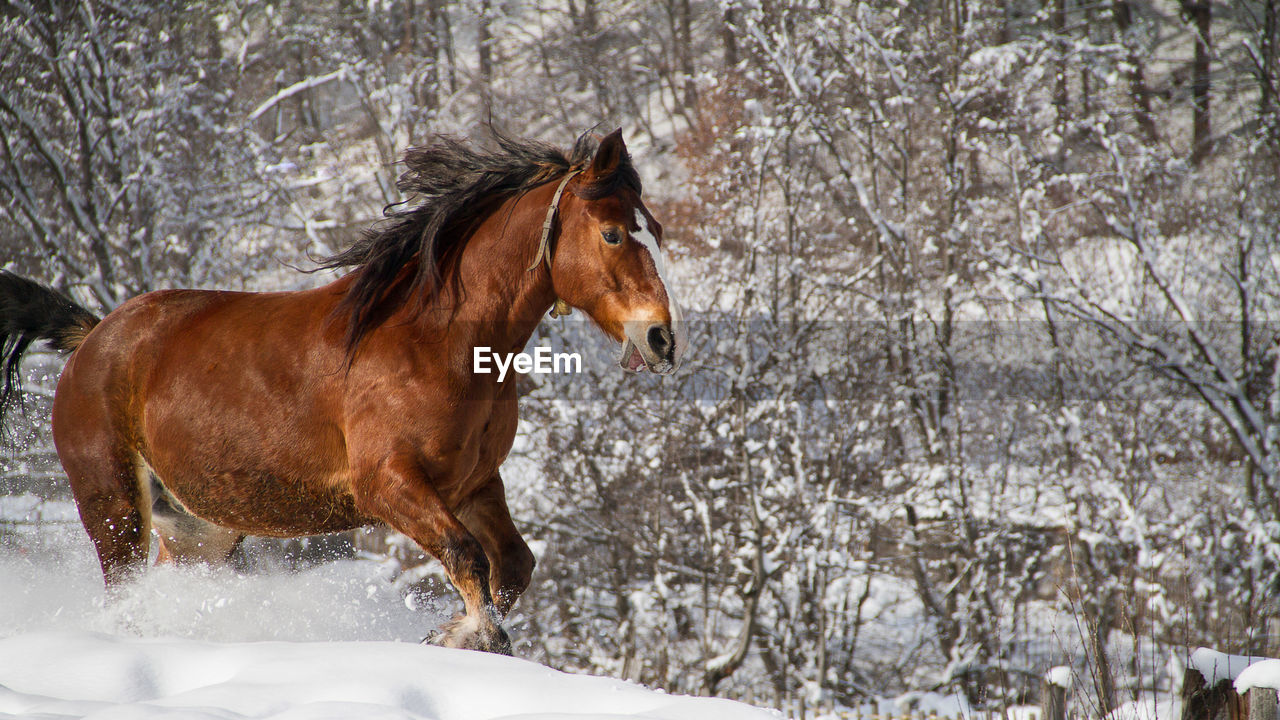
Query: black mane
x=451, y=186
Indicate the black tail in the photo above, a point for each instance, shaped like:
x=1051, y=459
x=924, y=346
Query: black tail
x=30, y=311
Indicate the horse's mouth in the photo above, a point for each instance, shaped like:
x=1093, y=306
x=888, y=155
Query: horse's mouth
x=631, y=360
x=649, y=345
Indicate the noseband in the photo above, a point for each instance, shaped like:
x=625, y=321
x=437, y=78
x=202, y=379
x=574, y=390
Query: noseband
x=560, y=308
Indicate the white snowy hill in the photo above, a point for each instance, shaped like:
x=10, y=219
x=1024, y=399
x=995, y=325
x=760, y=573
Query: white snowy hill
x=79, y=674
x=331, y=642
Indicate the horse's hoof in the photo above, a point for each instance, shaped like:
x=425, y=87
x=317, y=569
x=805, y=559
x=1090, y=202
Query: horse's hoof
x=468, y=633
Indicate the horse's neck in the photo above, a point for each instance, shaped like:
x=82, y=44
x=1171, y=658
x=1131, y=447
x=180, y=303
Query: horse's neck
x=501, y=301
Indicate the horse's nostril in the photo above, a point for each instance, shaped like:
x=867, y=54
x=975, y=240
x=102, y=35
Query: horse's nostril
x=660, y=340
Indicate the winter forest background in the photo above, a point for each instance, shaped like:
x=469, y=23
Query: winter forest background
x=985, y=372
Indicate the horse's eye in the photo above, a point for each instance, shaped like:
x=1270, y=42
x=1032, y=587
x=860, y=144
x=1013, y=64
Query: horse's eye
x=612, y=237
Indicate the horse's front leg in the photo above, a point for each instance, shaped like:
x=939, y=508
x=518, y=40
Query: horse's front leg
x=511, y=562
x=401, y=495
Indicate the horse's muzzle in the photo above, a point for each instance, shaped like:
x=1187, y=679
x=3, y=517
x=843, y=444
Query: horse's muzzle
x=652, y=347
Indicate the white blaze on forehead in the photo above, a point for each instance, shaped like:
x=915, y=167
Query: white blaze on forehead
x=645, y=237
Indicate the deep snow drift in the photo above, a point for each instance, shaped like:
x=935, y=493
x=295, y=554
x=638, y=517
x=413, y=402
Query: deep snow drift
x=79, y=674
x=189, y=643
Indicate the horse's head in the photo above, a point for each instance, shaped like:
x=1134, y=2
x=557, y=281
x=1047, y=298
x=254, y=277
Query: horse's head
x=608, y=262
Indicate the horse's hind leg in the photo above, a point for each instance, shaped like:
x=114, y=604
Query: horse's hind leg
x=98, y=453
x=112, y=509
x=511, y=562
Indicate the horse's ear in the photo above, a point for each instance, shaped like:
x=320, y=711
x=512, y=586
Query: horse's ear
x=609, y=155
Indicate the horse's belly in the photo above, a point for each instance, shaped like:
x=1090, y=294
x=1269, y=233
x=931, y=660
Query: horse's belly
x=262, y=504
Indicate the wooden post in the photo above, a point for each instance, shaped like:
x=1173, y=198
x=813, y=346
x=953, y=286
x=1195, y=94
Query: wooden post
x=1200, y=702
x=1053, y=702
x=1053, y=693
x=1261, y=703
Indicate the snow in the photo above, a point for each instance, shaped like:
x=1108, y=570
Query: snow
x=1262, y=674
x=345, y=600
x=1060, y=676
x=333, y=641
x=28, y=508
x=294, y=89
x=67, y=674
x=944, y=706
x=1148, y=709
x=1024, y=712
x=1216, y=666
x=920, y=704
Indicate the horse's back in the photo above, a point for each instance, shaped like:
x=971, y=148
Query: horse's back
x=164, y=341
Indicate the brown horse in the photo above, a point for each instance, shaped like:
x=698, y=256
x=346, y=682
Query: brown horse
x=211, y=415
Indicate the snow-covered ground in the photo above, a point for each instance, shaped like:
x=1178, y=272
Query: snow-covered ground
x=66, y=674
x=49, y=580
x=333, y=641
